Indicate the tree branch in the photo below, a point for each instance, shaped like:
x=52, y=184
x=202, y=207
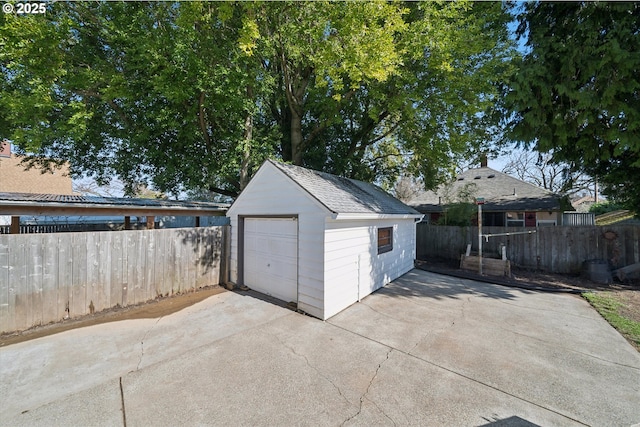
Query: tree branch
x=203, y=125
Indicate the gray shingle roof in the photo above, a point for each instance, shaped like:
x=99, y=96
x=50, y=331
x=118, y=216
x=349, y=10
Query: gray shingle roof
x=501, y=192
x=344, y=195
x=112, y=201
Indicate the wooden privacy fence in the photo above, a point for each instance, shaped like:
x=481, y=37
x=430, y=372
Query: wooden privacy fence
x=552, y=249
x=47, y=277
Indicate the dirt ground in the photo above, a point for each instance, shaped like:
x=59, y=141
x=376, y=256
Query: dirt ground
x=150, y=310
x=628, y=294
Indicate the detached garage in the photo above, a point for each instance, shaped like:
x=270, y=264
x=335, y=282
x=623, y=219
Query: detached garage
x=318, y=240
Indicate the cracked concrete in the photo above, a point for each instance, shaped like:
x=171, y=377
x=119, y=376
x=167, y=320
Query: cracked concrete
x=424, y=350
x=142, y=342
x=364, y=395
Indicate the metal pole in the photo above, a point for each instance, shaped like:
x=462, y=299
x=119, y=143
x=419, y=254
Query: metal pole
x=480, y=239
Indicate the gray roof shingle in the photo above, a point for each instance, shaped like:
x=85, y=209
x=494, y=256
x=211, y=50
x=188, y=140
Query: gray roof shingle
x=43, y=199
x=344, y=195
x=500, y=191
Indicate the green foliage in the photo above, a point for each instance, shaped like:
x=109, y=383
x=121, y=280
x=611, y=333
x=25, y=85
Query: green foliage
x=460, y=208
x=605, y=207
x=578, y=90
x=195, y=95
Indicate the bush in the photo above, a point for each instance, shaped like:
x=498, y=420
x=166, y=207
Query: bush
x=605, y=207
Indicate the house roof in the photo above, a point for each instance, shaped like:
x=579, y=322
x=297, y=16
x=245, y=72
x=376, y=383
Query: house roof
x=14, y=178
x=344, y=195
x=56, y=204
x=500, y=191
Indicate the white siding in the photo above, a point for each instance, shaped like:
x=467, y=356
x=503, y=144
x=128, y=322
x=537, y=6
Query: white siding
x=353, y=269
x=272, y=193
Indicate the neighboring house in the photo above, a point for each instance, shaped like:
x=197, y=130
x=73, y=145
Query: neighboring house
x=583, y=204
x=15, y=179
x=317, y=240
x=509, y=201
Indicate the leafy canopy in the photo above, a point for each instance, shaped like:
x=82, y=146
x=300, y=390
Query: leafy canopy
x=577, y=92
x=195, y=95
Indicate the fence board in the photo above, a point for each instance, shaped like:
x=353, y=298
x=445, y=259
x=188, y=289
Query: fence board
x=118, y=278
x=103, y=280
x=133, y=271
x=18, y=279
x=50, y=305
x=92, y=257
x=65, y=273
x=43, y=274
x=5, y=315
x=560, y=249
x=78, y=305
x=159, y=264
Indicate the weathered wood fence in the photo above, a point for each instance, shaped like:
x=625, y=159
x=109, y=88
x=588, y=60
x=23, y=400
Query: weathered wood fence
x=552, y=249
x=46, y=277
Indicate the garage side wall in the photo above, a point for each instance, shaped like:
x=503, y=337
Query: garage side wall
x=272, y=193
x=353, y=267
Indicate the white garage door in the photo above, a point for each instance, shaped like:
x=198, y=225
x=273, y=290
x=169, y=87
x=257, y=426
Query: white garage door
x=271, y=256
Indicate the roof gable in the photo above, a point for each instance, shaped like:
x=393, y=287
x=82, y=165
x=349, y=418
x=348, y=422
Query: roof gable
x=499, y=190
x=344, y=195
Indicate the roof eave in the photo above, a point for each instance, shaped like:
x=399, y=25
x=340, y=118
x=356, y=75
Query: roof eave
x=49, y=208
x=370, y=216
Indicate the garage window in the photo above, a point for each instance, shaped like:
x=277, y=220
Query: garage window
x=385, y=240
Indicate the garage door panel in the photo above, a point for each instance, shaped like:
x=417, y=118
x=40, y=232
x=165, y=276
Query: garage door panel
x=271, y=256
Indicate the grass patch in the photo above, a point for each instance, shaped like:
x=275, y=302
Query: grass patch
x=608, y=307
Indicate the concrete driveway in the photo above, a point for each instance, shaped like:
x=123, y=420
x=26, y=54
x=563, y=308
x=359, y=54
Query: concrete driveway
x=426, y=350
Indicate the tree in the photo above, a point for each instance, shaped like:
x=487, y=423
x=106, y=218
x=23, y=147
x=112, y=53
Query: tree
x=407, y=188
x=540, y=169
x=194, y=95
x=123, y=89
x=460, y=207
x=577, y=94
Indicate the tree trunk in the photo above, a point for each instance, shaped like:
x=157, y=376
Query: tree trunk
x=296, y=138
x=246, y=150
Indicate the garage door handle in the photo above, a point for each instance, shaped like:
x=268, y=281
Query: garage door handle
x=268, y=265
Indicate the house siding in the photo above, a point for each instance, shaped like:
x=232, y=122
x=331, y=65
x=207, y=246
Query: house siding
x=15, y=179
x=352, y=267
x=272, y=193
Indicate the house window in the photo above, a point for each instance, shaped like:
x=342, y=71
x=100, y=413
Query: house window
x=385, y=240
x=493, y=219
x=515, y=219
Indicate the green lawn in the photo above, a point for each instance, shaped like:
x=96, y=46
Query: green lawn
x=609, y=308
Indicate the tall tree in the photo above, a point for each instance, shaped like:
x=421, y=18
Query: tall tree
x=540, y=169
x=194, y=95
x=144, y=91
x=577, y=93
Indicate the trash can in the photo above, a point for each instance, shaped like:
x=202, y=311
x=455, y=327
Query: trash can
x=598, y=271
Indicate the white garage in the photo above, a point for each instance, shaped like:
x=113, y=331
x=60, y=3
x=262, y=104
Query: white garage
x=318, y=240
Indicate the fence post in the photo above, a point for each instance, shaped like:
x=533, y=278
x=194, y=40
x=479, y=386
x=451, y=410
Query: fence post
x=225, y=256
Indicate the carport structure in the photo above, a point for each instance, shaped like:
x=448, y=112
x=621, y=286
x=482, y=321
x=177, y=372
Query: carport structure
x=16, y=204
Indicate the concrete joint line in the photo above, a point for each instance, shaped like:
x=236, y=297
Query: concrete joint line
x=124, y=413
x=569, y=349
x=458, y=374
x=382, y=314
x=494, y=388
